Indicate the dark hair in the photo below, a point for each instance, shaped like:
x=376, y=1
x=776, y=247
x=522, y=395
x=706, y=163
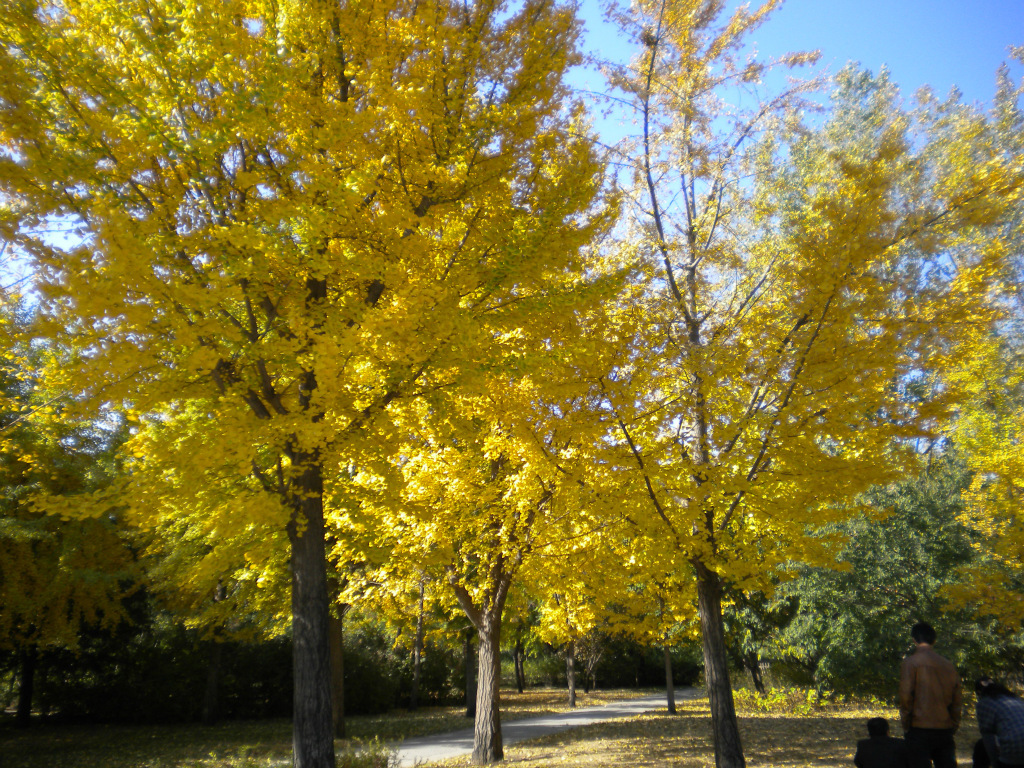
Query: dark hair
x=923, y=632
x=986, y=686
x=877, y=727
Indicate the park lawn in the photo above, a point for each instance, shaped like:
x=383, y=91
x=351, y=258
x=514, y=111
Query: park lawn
x=245, y=744
x=780, y=735
x=821, y=736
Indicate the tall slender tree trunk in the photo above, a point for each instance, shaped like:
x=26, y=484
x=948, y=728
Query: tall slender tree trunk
x=570, y=671
x=470, y=676
x=213, y=672
x=487, y=743
x=670, y=685
x=336, y=631
x=43, y=701
x=753, y=663
x=728, y=748
x=26, y=685
x=313, y=727
x=211, y=695
x=517, y=659
x=417, y=654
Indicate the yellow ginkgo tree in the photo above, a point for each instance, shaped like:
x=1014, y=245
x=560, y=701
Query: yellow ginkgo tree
x=795, y=287
x=58, y=577
x=206, y=537
x=988, y=432
x=297, y=214
x=989, y=429
x=489, y=492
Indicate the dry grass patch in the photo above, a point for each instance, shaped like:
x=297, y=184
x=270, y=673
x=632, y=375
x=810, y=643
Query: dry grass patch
x=782, y=731
x=826, y=736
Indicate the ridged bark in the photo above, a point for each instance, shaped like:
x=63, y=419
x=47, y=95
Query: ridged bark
x=313, y=727
x=728, y=748
x=487, y=743
x=486, y=618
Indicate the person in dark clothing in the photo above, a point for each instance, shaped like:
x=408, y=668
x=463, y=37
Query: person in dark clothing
x=1001, y=722
x=980, y=758
x=880, y=750
x=930, y=703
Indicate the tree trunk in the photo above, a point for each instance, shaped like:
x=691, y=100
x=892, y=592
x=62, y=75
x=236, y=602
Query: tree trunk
x=213, y=671
x=312, y=726
x=517, y=658
x=470, y=677
x=210, y=696
x=417, y=655
x=670, y=685
x=570, y=671
x=487, y=744
x=754, y=665
x=336, y=631
x=26, y=686
x=486, y=618
x=728, y=749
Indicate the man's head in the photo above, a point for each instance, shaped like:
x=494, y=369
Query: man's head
x=986, y=686
x=923, y=632
x=878, y=727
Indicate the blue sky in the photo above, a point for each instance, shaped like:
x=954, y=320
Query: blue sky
x=938, y=42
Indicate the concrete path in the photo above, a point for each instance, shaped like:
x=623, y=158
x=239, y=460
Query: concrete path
x=427, y=749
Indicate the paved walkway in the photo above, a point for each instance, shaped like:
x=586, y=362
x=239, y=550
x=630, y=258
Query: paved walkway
x=427, y=749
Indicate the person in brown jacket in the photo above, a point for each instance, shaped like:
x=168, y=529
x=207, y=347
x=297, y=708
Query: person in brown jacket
x=930, y=703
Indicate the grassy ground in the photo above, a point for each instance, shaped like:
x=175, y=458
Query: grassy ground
x=242, y=744
x=782, y=732
x=782, y=737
